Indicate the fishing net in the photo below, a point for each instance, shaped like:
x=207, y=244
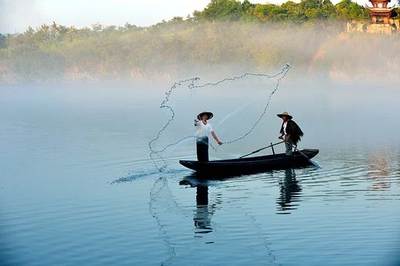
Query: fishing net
x=191, y=96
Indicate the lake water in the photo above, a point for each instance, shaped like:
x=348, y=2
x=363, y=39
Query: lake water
x=78, y=188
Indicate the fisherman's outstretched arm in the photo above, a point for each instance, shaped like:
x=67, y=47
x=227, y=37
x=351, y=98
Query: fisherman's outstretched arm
x=216, y=138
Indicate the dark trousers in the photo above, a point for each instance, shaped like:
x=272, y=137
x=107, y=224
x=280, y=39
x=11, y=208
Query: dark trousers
x=202, y=149
x=289, y=147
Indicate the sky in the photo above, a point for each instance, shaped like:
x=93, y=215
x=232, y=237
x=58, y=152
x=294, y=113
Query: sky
x=18, y=15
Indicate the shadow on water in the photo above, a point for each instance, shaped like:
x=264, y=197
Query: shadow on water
x=289, y=188
x=290, y=192
x=204, y=210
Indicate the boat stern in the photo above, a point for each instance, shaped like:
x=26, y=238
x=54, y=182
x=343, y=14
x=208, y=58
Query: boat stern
x=310, y=153
x=188, y=164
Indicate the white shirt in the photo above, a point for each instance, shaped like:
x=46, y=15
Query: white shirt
x=203, y=130
x=284, y=128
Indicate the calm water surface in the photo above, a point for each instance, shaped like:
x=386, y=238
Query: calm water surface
x=77, y=187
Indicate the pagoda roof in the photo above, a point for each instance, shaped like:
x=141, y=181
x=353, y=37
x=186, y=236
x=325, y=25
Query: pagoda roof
x=380, y=1
x=381, y=9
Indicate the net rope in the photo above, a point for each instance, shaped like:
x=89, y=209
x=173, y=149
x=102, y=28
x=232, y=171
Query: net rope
x=191, y=83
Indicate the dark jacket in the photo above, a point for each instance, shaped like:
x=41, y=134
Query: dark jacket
x=293, y=130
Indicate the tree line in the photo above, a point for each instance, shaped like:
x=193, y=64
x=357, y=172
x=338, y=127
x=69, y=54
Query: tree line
x=304, y=11
x=225, y=33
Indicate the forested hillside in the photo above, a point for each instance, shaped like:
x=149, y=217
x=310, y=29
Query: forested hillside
x=227, y=35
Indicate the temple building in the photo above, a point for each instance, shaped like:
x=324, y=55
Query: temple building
x=382, y=19
x=380, y=13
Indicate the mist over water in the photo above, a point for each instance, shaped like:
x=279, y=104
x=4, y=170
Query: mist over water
x=78, y=186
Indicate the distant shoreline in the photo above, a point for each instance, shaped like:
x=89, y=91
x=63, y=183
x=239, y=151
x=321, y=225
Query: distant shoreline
x=230, y=39
x=305, y=11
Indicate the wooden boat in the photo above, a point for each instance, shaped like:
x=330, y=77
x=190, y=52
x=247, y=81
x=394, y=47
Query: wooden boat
x=252, y=165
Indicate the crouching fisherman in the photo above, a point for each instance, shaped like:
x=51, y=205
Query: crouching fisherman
x=203, y=130
x=290, y=132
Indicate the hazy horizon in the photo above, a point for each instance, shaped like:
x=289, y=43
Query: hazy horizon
x=17, y=15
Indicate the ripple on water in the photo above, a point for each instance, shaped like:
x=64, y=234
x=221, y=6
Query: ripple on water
x=345, y=212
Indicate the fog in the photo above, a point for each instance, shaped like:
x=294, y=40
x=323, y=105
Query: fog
x=176, y=50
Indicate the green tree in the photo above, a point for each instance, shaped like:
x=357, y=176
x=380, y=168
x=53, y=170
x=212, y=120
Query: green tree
x=328, y=9
x=270, y=12
x=221, y=10
x=306, y=10
x=312, y=9
x=294, y=11
x=347, y=10
x=247, y=11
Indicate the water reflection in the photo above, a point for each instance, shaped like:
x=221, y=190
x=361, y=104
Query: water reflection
x=289, y=192
x=204, y=211
x=379, y=170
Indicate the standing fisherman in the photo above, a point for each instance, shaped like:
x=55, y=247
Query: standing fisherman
x=290, y=132
x=203, y=130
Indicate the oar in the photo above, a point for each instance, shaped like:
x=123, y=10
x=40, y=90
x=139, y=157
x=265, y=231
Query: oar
x=269, y=146
x=305, y=156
